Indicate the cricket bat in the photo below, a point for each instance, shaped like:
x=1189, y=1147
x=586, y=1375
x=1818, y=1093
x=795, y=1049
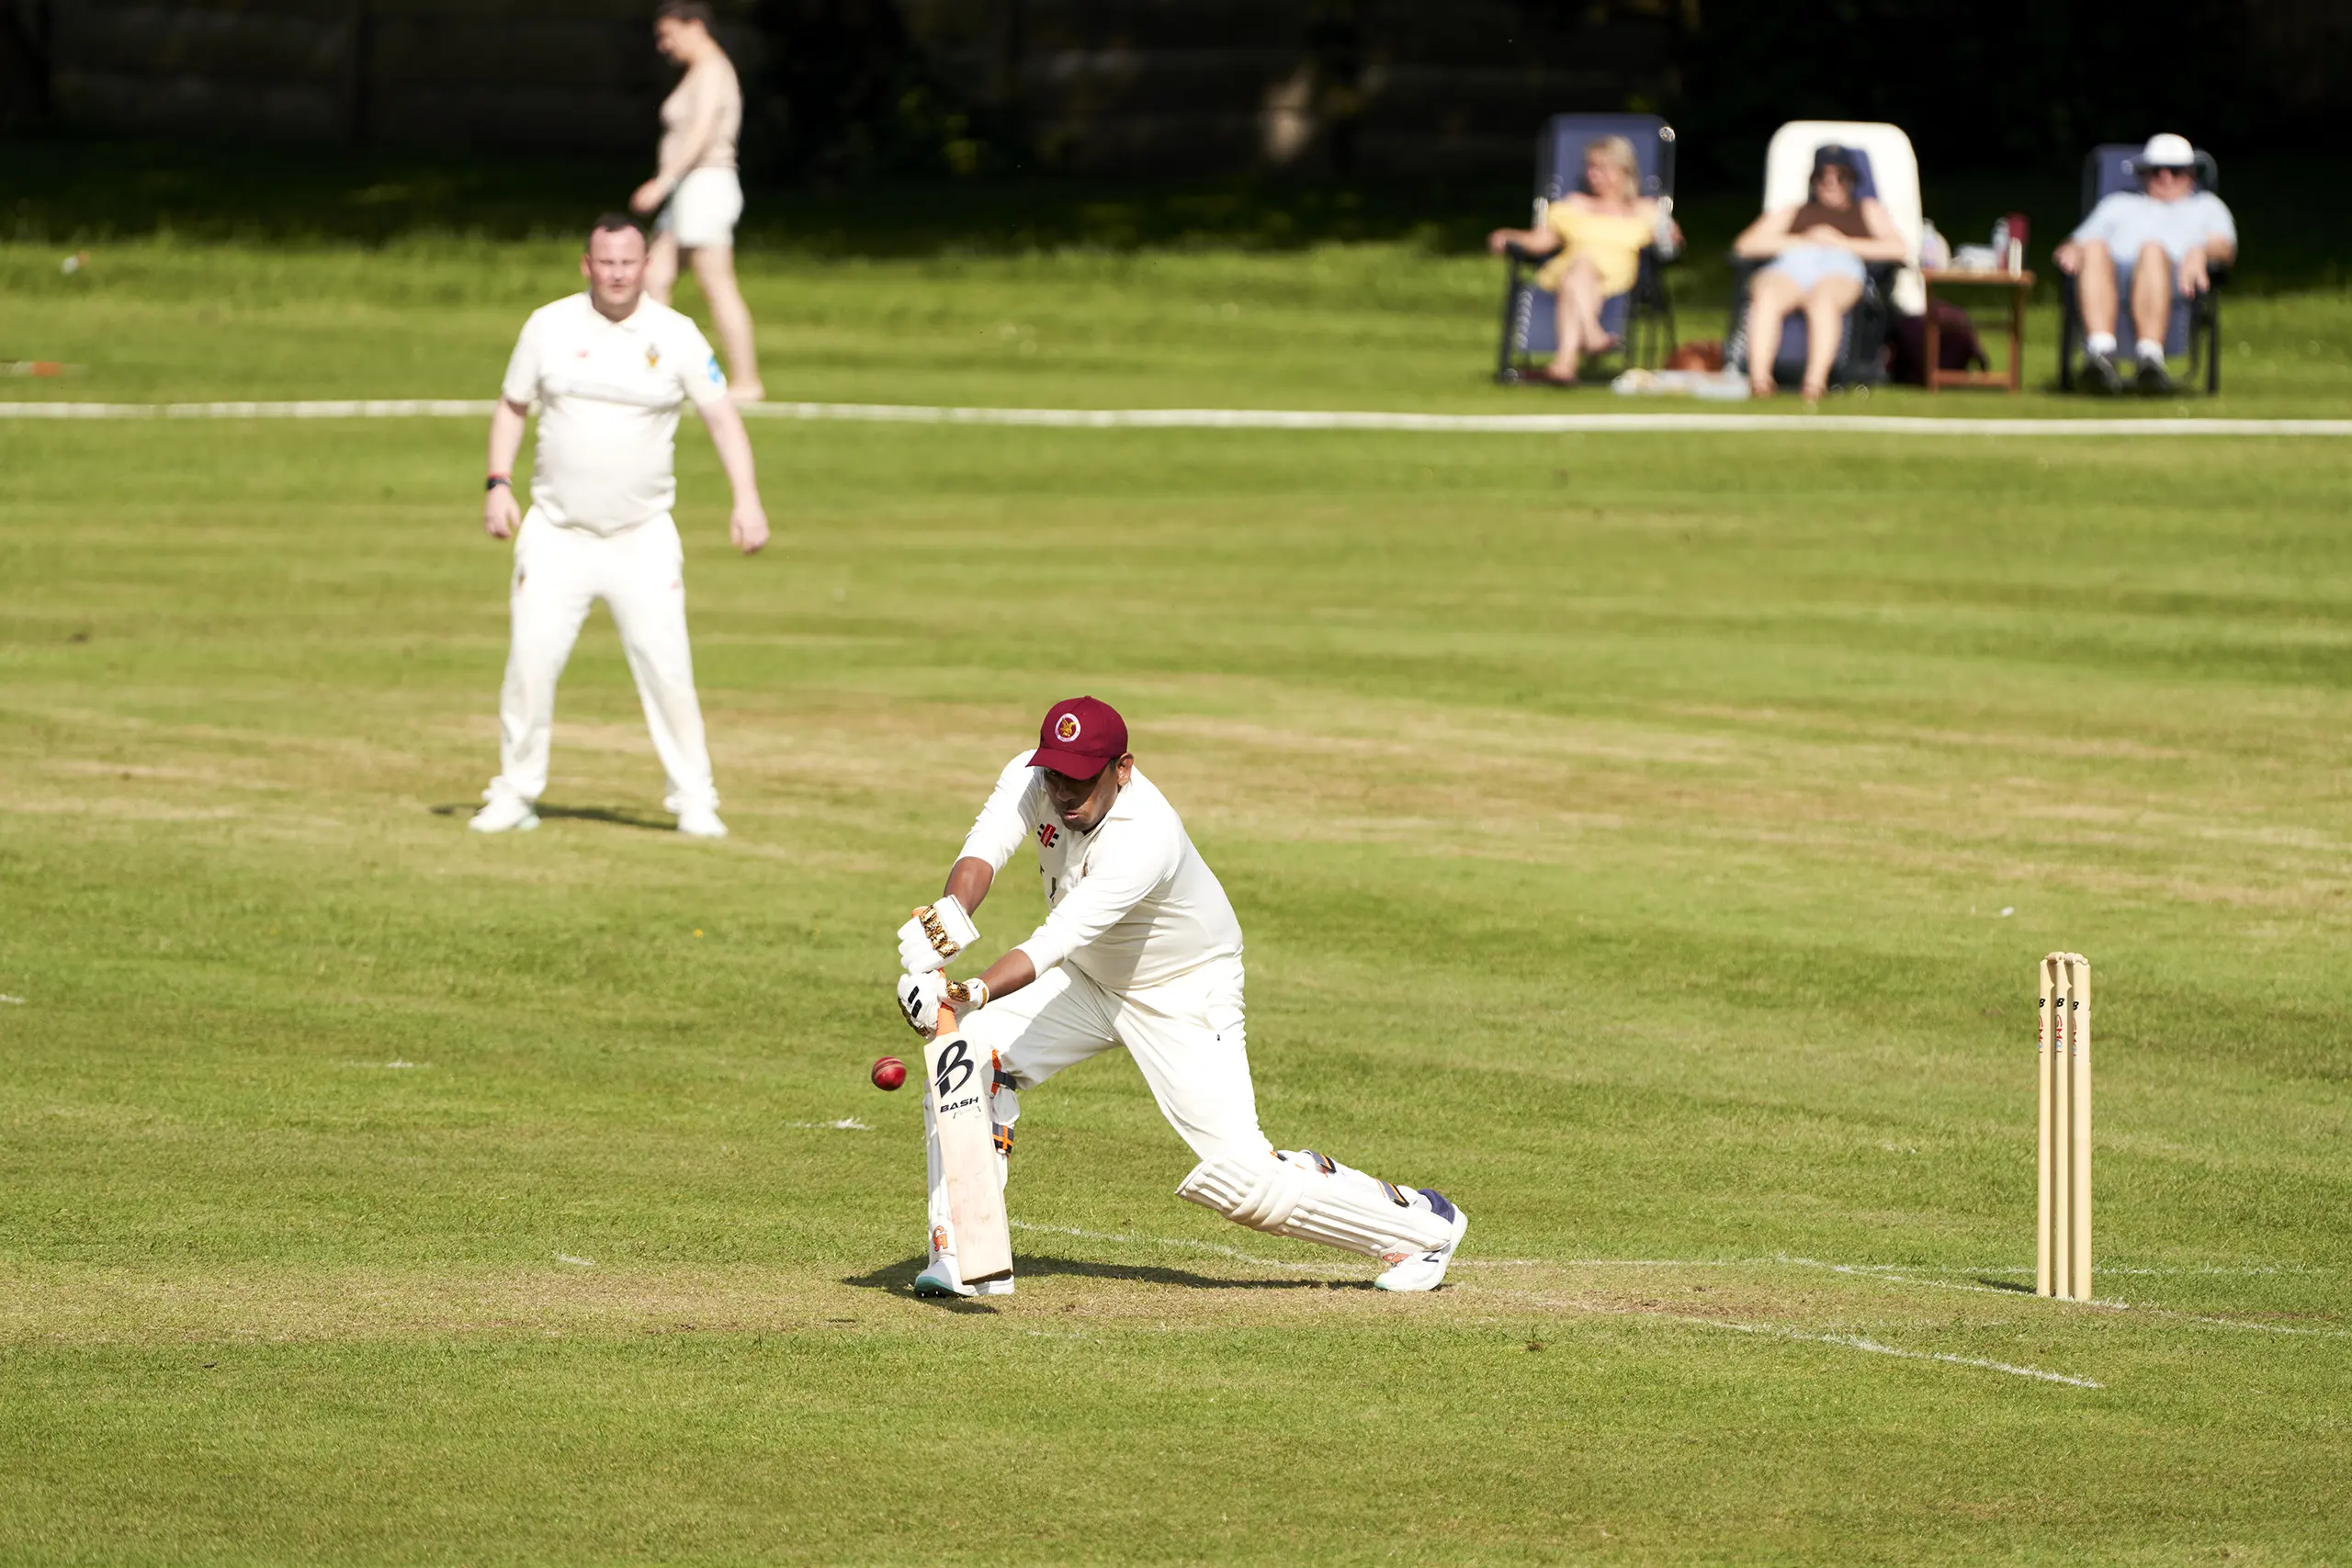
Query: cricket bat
x=959, y=1084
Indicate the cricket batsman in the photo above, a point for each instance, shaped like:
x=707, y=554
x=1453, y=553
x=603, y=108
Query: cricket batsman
x=1140, y=948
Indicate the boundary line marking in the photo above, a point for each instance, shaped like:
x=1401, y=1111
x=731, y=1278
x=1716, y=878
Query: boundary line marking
x=1249, y=419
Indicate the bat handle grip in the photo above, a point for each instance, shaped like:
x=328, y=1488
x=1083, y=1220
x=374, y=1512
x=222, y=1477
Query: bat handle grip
x=946, y=1019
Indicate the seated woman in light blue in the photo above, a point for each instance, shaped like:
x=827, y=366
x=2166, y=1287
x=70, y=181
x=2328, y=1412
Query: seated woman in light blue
x=1819, y=250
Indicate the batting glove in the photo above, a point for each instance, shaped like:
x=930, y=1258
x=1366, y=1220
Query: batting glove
x=919, y=999
x=919, y=996
x=936, y=934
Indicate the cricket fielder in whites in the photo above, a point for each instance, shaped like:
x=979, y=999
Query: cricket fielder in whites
x=1140, y=949
x=608, y=367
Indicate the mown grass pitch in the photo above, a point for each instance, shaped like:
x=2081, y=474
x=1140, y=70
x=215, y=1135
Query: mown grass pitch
x=1647, y=840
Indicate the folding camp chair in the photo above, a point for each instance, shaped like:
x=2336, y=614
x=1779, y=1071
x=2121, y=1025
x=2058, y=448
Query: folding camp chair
x=2195, y=326
x=1642, y=317
x=1890, y=172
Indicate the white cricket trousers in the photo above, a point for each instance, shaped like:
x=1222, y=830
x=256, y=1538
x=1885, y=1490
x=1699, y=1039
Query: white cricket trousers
x=1187, y=1036
x=559, y=573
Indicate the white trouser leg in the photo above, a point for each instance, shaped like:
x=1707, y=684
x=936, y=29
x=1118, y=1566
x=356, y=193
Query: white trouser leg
x=554, y=585
x=1061, y=1019
x=643, y=580
x=1189, y=1039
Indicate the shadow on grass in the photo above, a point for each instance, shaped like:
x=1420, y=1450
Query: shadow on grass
x=618, y=816
x=898, y=1279
x=2009, y=1285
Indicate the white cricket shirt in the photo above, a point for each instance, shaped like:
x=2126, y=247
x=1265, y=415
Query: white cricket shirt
x=609, y=393
x=1132, y=903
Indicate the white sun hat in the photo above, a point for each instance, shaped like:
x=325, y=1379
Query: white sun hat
x=2165, y=150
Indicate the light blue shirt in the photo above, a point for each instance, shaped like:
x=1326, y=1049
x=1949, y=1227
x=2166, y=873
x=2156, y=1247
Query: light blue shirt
x=2127, y=222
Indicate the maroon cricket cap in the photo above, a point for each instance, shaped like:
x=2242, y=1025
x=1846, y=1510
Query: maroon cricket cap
x=1081, y=736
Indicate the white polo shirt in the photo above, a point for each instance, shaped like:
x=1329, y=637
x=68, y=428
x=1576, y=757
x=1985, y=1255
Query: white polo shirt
x=1132, y=903
x=609, y=393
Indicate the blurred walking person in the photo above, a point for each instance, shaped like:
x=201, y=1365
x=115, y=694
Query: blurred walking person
x=695, y=198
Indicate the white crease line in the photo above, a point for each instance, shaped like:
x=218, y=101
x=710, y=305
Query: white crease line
x=1856, y=1342
x=1883, y=1273
x=1247, y=419
x=1886, y=1274
x=1781, y=1331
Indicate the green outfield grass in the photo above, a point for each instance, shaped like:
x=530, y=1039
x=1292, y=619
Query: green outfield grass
x=1647, y=840
x=1387, y=326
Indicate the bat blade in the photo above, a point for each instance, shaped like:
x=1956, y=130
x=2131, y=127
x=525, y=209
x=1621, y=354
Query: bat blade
x=958, y=1084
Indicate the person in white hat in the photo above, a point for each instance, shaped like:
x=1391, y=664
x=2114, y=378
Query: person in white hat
x=2151, y=246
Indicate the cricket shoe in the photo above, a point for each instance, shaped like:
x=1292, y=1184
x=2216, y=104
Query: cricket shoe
x=701, y=822
x=503, y=814
x=1425, y=1270
x=939, y=1280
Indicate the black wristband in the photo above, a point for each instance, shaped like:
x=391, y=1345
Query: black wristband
x=495, y=481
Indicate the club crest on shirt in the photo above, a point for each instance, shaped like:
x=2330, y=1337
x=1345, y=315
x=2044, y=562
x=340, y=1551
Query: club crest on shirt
x=1047, y=834
x=652, y=355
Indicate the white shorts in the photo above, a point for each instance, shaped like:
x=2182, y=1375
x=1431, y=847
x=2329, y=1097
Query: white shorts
x=703, y=210
x=1186, y=1036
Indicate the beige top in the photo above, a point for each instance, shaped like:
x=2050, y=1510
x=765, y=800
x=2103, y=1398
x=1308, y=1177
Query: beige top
x=700, y=120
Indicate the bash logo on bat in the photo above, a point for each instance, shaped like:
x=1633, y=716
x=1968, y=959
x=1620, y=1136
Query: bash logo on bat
x=955, y=1068
x=1066, y=729
x=1047, y=834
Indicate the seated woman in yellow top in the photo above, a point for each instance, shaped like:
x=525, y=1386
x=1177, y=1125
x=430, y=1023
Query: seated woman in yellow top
x=1595, y=241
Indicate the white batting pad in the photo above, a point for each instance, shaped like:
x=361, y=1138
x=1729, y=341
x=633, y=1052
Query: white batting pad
x=1301, y=1193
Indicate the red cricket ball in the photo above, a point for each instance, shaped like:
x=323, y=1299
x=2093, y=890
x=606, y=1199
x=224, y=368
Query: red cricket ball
x=888, y=1072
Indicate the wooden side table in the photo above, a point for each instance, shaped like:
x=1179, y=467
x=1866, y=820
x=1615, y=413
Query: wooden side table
x=2019, y=284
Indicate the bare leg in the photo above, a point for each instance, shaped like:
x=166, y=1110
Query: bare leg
x=1770, y=297
x=1579, y=309
x=661, y=266
x=1825, y=327
x=1570, y=332
x=2152, y=293
x=1584, y=288
x=2095, y=287
x=715, y=270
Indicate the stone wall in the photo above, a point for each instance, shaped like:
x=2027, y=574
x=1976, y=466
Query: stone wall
x=1375, y=86
x=1098, y=86
x=577, y=74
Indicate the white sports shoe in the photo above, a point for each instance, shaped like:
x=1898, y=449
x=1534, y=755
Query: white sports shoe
x=1425, y=1270
x=701, y=822
x=939, y=1280
x=504, y=814
x=942, y=1278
